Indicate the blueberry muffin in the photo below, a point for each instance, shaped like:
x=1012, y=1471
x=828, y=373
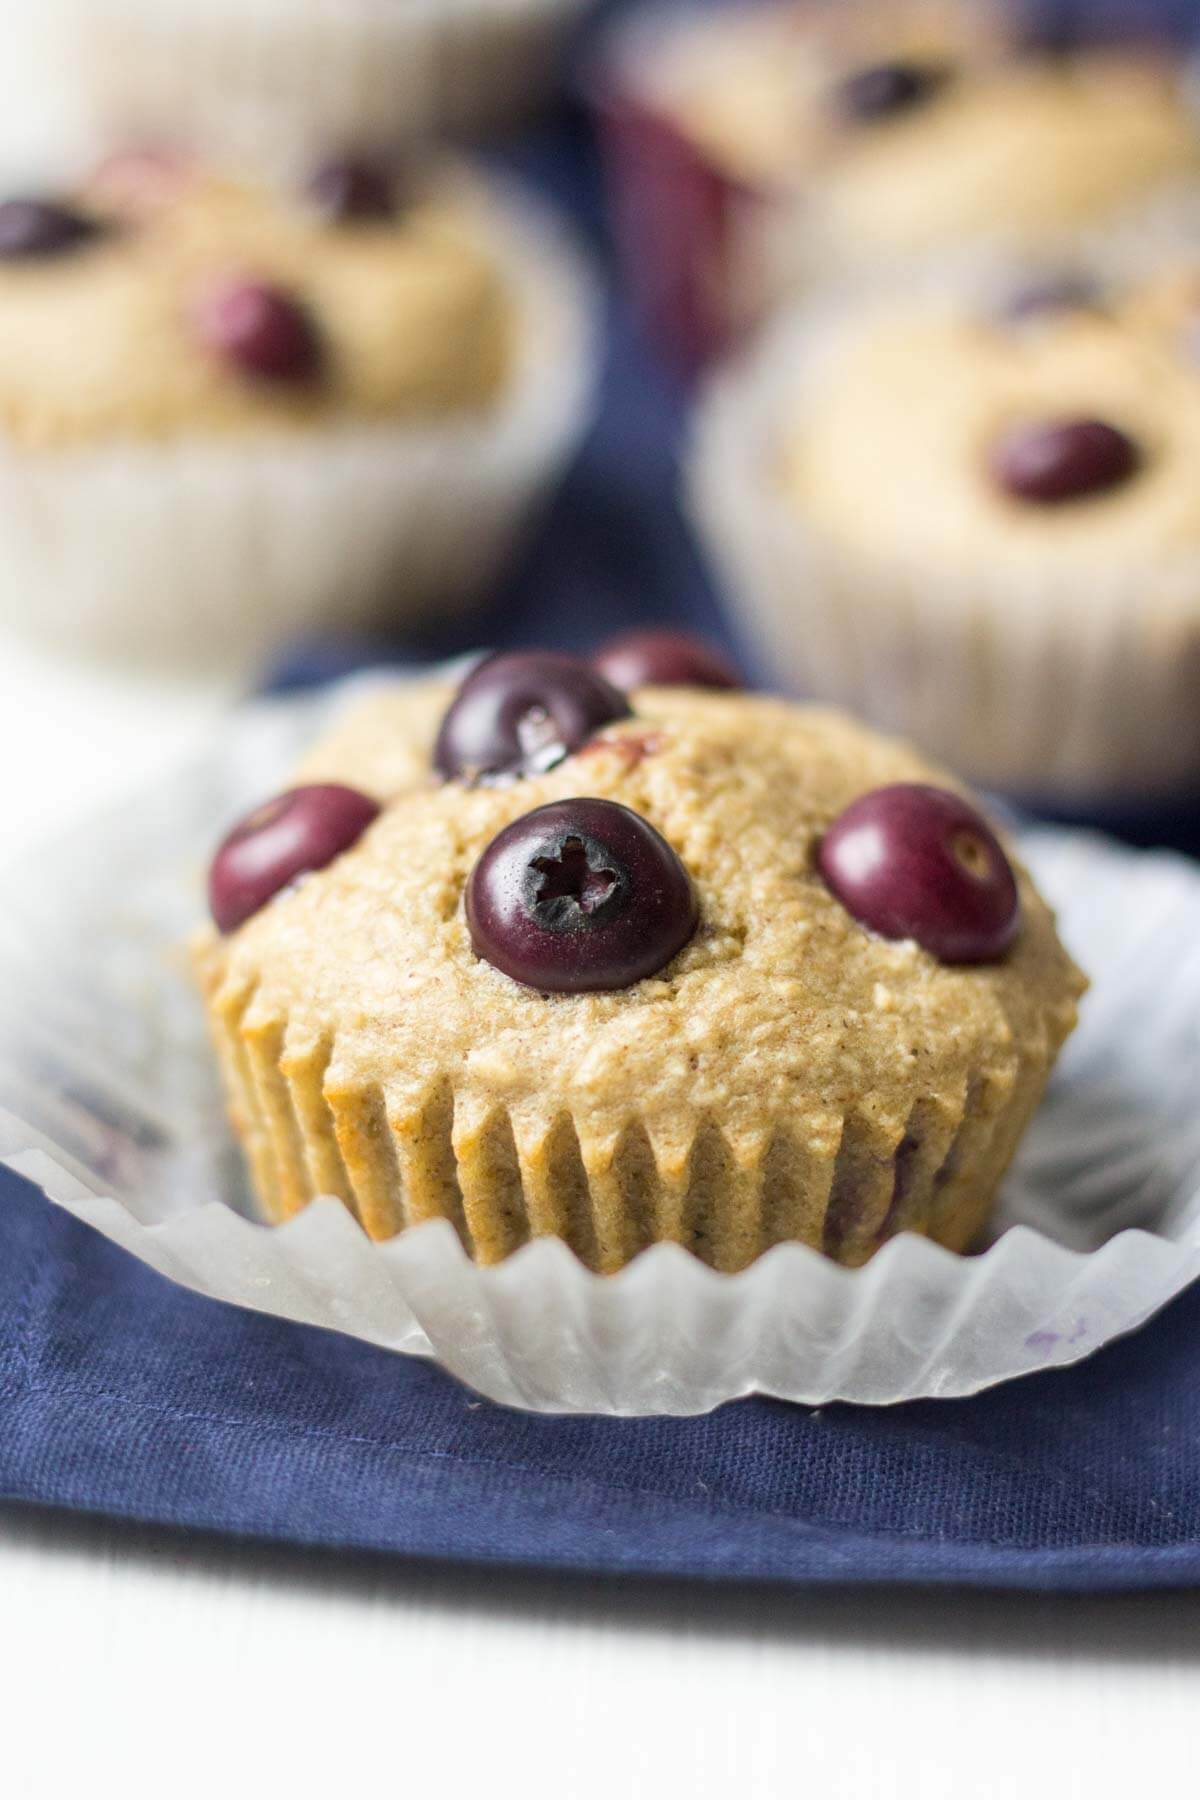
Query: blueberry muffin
x=229, y=410
x=806, y=146
x=973, y=517
x=682, y=965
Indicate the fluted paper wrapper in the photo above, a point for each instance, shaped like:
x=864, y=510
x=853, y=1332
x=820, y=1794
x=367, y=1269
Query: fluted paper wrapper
x=1075, y=687
x=267, y=80
x=210, y=550
x=109, y=1100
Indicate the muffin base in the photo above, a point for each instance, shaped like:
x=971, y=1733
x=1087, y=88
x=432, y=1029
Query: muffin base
x=502, y=1177
x=277, y=81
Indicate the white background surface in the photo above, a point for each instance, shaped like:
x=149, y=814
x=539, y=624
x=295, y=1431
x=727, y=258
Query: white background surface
x=142, y=1664
x=138, y=1663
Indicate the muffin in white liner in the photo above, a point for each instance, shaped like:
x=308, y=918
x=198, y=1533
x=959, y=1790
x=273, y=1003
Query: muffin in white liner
x=1051, y=650
x=272, y=79
x=109, y=1102
x=742, y=176
x=207, y=545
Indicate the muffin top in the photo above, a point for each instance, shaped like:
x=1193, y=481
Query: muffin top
x=913, y=132
x=756, y=86
x=779, y=1002
x=163, y=299
x=1034, y=432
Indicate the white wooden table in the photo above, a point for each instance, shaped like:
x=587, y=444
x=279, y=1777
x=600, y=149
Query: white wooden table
x=142, y=1664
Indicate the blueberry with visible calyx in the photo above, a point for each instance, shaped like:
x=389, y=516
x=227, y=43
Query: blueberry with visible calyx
x=521, y=713
x=580, y=896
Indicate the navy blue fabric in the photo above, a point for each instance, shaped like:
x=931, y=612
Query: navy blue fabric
x=123, y=1395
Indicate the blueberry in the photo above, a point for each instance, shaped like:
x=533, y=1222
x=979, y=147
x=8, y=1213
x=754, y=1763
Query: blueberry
x=1063, y=459
x=579, y=897
x=37, y=228
x=911, y=861
x=291, y=835
x=138, y=181
x=260, y=329
x=1057, y=290
x=884, y=89
x=353, y=191
x=523, y=712
x=666, y=658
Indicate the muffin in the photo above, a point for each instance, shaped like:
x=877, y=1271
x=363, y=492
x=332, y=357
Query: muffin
x=262, y=80
x=615, y=969
x=767, y=150
x=973, y=518
x=228, y=412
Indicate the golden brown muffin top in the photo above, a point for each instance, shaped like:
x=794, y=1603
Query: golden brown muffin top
x=102, y=342
x=1009, y=148
x=899, y=413
x=780, y=1005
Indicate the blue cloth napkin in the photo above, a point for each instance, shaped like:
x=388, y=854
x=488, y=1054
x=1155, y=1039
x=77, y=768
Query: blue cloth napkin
x=124, y=1395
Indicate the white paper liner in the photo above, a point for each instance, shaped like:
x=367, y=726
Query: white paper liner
x=788, y=252
x=109, y=1100
x=273, y=80
x=209, y=550
x=1076, y=687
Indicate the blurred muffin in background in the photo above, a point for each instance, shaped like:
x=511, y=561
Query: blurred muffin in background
x=264, y=79
x=766, y=149
x=229, y=413
x=975, y=518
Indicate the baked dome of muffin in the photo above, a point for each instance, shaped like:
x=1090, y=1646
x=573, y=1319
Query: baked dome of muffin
x=786, y=1073
x=970, y=514
x=186, y=302
x=921, y=399
x=757, y=86
x=909, y=133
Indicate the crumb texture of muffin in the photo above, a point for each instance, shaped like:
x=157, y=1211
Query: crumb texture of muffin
x=410, y=317
x=382, y=744
x=787, y=1075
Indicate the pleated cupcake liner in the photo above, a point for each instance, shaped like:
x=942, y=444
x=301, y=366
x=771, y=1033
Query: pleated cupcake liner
x=708, y=256
x=502, y=1177
x=208, y=550
x=274, y=81
x=1078, y=688
x=111, y=1102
